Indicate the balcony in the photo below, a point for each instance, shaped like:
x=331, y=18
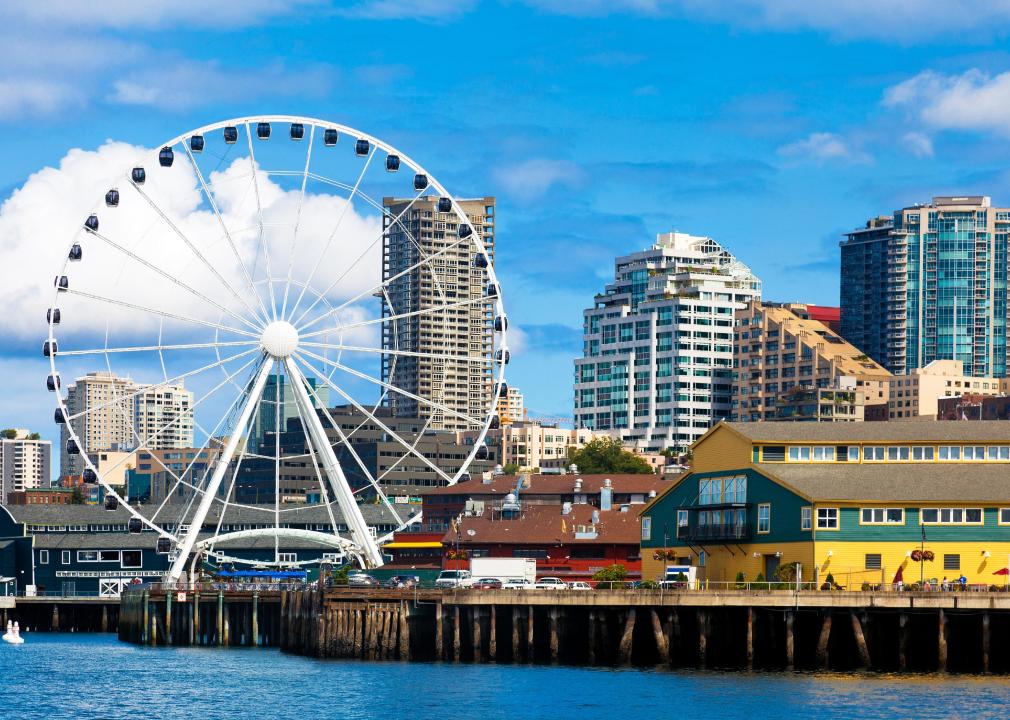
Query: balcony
x=726, y=532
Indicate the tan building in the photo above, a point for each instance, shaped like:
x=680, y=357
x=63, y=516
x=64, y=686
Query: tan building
x=113, y=466
x=511, y=407
x=531, y=445
x=24, y=463
x=776, y=350
x=915, y=395
x=432, y=340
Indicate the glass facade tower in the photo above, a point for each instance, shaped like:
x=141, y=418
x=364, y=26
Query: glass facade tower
x=930, y=283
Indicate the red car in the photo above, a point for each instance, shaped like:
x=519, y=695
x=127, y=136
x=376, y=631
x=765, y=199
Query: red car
x=487, y=584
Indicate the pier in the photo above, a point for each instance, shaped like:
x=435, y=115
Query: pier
x=61, y=614
x=772, y=630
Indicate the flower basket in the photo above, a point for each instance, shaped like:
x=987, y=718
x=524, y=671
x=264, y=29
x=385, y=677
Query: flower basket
x=916, y=556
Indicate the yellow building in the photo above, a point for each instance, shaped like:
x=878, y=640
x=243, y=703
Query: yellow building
x=858, y=501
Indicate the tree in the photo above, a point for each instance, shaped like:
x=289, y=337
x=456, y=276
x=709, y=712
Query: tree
x=510, y=468
x=34, y=436
x=9, y=433
x=77, y=497
x=605, y=455
x=611, y=573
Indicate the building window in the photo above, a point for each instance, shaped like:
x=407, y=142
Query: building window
x=951, y=562
x=65, y=557
x=799, y=454
x=873, y=453
x=764, y=518
x=882, y=516
x=806, y=518
x=1004, y=516
x=853, y=454
x=682, y=523
x=84, y=556
x=951, y=516
x=43, y=557
x=131, y=559
x=701, y=558
x=872, y=561
x=950, y=452
x=647, y=528
x=827, y=518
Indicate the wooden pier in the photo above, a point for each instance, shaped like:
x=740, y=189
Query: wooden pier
x=61, y=614
x=775, y=630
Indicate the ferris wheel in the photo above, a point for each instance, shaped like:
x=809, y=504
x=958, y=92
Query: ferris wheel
x=261, y=298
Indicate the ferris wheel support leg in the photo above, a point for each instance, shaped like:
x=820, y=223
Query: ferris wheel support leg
x=210, y=492
x=328, y=460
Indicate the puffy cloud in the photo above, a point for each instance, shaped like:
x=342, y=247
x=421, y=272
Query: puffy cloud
x=973, y=100
x=121, y=14
x=40, y=220
x=822, y=147
x=533, y=178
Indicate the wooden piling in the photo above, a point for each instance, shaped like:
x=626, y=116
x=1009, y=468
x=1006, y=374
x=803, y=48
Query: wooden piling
x=168, y=617
x=857, y=630
x=750, y=638
x=455, y=633
x=822, y=642
x=662, y=644
x=591, y=637
x=985, y=642
x=227, y=625
x=530, y=648
x=255, y=619
x=624, y=649
x=702, y=617
x=477, y=650
x=555, y=640
x=404, y=632
x=492, y=636
x=358, y=631
x=790, y=646
x=145, y=627
x=902, y=642
x=55, y=621
x=439, y=632
x=942, y=642
x=105, y=619
x=515, y=633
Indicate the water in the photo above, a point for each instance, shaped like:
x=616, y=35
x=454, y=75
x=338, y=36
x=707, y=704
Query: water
x=96, y=676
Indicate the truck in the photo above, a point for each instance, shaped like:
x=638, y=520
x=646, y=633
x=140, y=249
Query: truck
x=453, y=579
x=506, y=569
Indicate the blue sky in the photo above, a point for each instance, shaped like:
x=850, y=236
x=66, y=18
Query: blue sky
x=770, y=126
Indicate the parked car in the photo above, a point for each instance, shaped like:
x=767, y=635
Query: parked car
x=488, y=584
x=550, y=583
x=453, y=579
x=580, y=585
x=516, y=584
x=403, y=581
x=360, y=579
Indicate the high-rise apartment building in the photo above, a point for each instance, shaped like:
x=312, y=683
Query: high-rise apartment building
x=24, y=463
x=930, y=283
x=434, y=267
x=117, y=414
x=657, y=365
x=778, y=348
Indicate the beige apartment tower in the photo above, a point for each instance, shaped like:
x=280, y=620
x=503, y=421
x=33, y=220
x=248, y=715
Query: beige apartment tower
x=778, y=353
x=915, y=395
x=428, y=265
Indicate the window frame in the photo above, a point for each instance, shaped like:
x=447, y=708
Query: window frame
x=836, y=517
x=646, y=527
x=879, y=561
x=883, y=516
x=768, y=528
x=807, y=518
x=43, y=557
x=950, y=521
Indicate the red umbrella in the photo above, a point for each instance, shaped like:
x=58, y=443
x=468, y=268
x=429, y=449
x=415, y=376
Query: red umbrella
x=1002, y=571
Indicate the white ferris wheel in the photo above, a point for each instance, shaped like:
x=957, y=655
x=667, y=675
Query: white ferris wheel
x=252, y=256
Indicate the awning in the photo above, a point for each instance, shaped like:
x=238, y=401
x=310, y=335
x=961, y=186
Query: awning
x=396, y=545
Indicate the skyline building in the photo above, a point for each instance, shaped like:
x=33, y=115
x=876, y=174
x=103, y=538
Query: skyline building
x=24, y=463
x=789, y=366
x=263, y=421
x=929, y=283
x=657, y=362
x=449, y=277
x=121, y=415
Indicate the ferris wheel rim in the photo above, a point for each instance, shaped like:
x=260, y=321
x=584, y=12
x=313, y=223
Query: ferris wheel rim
x=314, y=123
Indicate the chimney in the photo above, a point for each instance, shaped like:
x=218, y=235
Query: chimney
x=566, y=508
x=596, y=517
x=606, y=495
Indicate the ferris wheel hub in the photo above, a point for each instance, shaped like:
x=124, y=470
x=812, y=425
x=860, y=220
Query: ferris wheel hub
x=279, y=339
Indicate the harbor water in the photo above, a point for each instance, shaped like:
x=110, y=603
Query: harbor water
x=96, y=676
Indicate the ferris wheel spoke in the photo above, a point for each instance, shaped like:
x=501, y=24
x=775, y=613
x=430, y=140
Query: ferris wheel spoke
x=182, y=236
x=374, y=419
x=372, y=290
x=220, y=468
x=264, y=243
x=315, y=466
x=382, y=232
x=162, y=313
x=298, y=219
x=392, y=318
x=146, y=444
x=401, y=353
x=172, y=278
x=392, y=388
x=329, y=240
x=162, y=384
x=155, y=348
x=212, y=201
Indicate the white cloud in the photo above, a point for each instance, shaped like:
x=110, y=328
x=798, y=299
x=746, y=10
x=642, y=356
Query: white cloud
x=429, y=10
x=39, y=221
x=533, y=178
x=822, y=147
x=973, y=100
x=888, y=21
x=918, y=144
x=19, y=98
x=121, y=14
